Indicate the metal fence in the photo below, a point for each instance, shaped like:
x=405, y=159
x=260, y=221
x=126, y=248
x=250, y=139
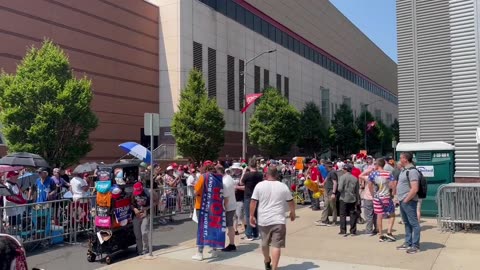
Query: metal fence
x=63, y=220
x=48, y=222
x=458, y=204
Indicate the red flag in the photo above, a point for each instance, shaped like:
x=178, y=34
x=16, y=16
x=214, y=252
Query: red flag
x=371, y=125
x=251, y=99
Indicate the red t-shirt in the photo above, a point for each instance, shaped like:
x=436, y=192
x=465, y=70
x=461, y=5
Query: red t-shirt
x=315, y=174
x=356, y=172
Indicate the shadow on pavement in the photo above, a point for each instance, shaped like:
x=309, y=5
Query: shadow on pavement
x=241, y=249
x=300, y=266
x=430, y=246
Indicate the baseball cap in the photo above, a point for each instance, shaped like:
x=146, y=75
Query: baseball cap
x=12, y=173
x=42, y=169
x=116, y=192
x=169, y=168
x=137, y=188
x=329, y=164
x=369, y=157
x=174, y=165
x=348, y=167
x=207, y=163
x=314, y=161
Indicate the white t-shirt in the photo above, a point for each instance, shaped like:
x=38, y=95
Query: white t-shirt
x=191, y=180
x=12, y=209
x=77, y=192
x=272, y=197
x=229, y=192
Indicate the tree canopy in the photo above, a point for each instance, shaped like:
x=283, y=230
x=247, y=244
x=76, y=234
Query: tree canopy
x=313, y=130
x=198, y=125
x=274, y=125
x=45, y=109
x=343, y=132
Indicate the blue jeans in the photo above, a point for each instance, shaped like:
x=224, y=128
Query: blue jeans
x=412, y=226
x=251, y=232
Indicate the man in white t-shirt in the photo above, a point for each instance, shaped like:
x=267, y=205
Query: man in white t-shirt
x=272, y=198
x=231, y=206
x=79, y=187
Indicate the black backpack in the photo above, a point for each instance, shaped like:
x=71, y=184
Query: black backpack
x=422, y=183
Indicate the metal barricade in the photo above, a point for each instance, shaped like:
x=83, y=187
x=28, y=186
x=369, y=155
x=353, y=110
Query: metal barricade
x=173, y=201
x=49, y=222
x=458, y=204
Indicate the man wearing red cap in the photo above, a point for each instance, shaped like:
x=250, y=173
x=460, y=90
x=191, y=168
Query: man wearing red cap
x=141, y=209
x=13, y=213
x=316, y=177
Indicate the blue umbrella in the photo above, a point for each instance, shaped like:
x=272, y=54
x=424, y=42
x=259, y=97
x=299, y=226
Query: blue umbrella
x=137, y=150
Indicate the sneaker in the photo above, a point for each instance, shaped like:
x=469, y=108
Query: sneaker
x=250, y=238
x=257, y=238
x=268, y=265
x=322, y=223
x=403, y=247
x=230, y=248
x=390, y=237
x=342, y=233
x=197, y=257
x=413, y=250
x=382, y=238
x=214, y=253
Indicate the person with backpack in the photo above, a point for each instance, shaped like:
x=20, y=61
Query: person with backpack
x=410, y=185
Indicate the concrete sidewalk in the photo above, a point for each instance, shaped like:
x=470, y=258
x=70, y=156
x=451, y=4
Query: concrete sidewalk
x=313, y=247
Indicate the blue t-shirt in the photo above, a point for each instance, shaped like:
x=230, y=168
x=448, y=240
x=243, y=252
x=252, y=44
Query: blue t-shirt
x=43, y=189
x=323, y=171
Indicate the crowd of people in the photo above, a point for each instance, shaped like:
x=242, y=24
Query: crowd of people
x=374, y=188
x=364, y=186
x=253, y=198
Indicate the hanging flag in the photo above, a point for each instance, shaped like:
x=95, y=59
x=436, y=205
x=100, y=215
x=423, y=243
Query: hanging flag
x=371, y=125
x=250, y=99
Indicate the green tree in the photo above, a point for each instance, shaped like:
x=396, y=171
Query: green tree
x=344, y=133
x=313, y=130
x=45, y=109
x=273, y=127
x=198, y=124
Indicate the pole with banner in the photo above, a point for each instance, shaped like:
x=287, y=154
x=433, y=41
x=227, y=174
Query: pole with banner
x=151, y=128
x=249, y=99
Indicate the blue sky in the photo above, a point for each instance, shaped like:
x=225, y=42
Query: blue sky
x=376, y=19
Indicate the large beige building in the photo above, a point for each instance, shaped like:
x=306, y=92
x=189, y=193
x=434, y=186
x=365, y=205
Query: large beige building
x=320, y=56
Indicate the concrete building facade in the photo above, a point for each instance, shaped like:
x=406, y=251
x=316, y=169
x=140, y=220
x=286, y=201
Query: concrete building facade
x=438, y=77
x=320, y=56
x=138, y=54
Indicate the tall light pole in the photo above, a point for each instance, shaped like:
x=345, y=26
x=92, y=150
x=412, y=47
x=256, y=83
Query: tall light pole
x=244, y=131
x=365, y=121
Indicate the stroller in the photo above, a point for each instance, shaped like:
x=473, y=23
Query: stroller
x=113, y=231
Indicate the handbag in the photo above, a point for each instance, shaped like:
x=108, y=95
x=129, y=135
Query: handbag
x=103, y=186
x=103, y=222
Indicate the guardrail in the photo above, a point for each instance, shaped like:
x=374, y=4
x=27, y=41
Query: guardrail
x=48, y=222
x=458, y=204
x=62, y=220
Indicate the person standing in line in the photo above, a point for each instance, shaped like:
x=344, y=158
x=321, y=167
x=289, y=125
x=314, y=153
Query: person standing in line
x=380, y=182
x=349, y=189
x=331, y=183
x=141, y=210
x=237, y=171
x=368, y=210
x=250, y=181
x=323, y=169
x=231, y=206
x=44, y=188
x=271, y=197
x=407, y=189
x=314, y=174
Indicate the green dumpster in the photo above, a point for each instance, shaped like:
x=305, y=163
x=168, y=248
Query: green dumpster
x=436, y=161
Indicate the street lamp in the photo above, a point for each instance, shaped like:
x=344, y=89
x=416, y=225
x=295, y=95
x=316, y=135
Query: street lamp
x=365, y=121
x=244, y=132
